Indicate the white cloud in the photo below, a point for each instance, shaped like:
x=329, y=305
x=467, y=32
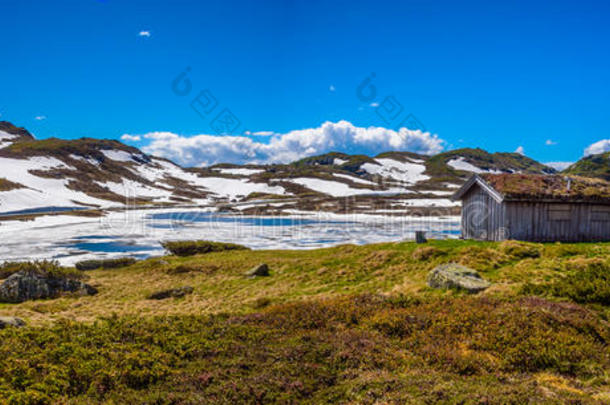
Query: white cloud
x=374, y=104
x=144, y=34
x=331, y=88
x=342, y=136
x=598, y=147
x=40, y=117
x=132, y=138
x=550, y=142
x=559, y=165
x=520, y=150
x=263, y=133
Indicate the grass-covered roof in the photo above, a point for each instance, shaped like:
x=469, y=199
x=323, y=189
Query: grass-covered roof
x=549, y=187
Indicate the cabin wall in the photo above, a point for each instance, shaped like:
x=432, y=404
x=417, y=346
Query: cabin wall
x=482, y=217
x=553, y=222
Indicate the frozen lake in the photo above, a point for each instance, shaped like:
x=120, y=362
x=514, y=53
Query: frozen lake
x=138, y=233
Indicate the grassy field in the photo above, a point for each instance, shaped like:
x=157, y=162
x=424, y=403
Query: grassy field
x=350, y=324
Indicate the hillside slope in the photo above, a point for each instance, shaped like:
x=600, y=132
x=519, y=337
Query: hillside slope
x=592, y=166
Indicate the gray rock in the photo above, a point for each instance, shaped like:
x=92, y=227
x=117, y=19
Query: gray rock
x=171, y=293
x=457, y=276
x=31, y=285
x=10, y=321
x=262, y=270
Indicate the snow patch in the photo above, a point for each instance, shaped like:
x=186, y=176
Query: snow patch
x=430, y=202
x=118, y=155
x=355, y=179
x=6, y=139
x=233, y=188
x=405, y=172
x=132, y=189
x=337, y=189
x=89, y=160
x=41, y=192
x=240, y=171
x=461, y=164
x=437, y=192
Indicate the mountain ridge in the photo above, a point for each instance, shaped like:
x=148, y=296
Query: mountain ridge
x=104, y=173
x=593, y=166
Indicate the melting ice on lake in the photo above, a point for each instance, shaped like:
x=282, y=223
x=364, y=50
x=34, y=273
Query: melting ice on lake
x=137, y=233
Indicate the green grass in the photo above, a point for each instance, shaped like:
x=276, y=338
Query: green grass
x=349, y=324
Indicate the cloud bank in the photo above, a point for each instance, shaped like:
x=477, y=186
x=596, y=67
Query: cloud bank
x=598, y=147
x=131, y=138
x=342, y=136
x=559, y=165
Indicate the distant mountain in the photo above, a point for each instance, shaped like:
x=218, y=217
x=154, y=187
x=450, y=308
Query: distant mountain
x=592, y=166
x=10, y=134
x=96, y=173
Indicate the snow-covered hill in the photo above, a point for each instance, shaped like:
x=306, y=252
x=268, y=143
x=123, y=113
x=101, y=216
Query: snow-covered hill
x=90, y=173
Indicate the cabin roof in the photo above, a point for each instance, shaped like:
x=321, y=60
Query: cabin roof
x=539, y=187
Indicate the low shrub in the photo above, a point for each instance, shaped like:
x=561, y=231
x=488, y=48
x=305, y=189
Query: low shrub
x=197, y=247
x=206, y=268
x=357, y=349
x=520, y=250
x=424, y=253
x=50, y=268
x=587, y=280
x=171, y=293
x=105, y=263
x=481, y=258
x=262, y=302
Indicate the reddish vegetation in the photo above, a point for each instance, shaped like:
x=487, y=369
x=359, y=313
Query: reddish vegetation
x=535, y=186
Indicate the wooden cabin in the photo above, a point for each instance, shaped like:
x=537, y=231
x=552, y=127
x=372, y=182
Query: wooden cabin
x=537, y=208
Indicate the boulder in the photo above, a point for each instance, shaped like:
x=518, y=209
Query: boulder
x=262, y=270
x=457, y=276
x=10, y=321
x=31, y=285
x=171, y=293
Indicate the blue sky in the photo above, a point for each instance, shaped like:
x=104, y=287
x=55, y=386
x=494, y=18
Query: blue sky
x=492, y=74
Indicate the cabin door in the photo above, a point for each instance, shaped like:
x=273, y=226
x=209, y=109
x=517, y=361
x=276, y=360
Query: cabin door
x=481, y=228
x=477, y=220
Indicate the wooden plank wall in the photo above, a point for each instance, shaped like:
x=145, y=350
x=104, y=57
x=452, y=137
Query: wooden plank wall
x=482, y=217
x=552, y=222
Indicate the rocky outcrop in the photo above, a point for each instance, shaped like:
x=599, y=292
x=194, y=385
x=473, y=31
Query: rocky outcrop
x=172, y=293
x=262, y=270
x=31, y=285
x=457, y=276
x=10, y=321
